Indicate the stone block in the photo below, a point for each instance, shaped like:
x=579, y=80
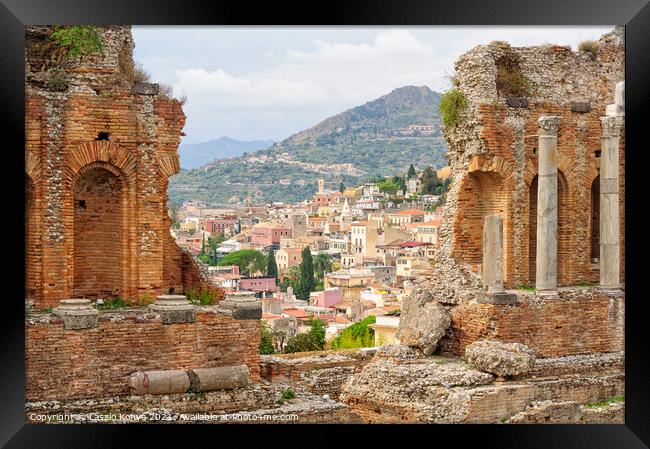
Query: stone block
x=501, y=298
x=174, y=309
x=220, y=378
x=502, y=359
x=580, y=106
x=422, y=326
x=140, y=88
x=77, y=314
x=243, y=306
x=159, y=382
x=517, y=102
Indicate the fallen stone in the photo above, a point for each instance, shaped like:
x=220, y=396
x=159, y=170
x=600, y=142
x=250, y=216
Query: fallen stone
x=422, y=326
x=159, y=382
x=220, y=378
x=502, y=359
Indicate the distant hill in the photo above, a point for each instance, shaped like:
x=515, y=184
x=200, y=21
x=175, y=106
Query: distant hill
x=195, y=155
x=362, y=142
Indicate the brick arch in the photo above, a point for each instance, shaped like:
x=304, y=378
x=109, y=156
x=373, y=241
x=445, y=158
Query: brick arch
x=121, y=164
x=101, y=151
x=482, y=193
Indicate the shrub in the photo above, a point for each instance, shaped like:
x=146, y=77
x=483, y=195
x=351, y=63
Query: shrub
x=358, y=335
x=589, y=47
x=451, y=104
x=78, y=41
x=201, y=297
x=112, y=303
x=266, y=339
x=288, y=394
x=301, y=343
x=511, y=82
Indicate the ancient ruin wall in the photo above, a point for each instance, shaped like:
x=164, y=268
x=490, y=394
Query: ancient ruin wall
x=100, y=148
x=97, y=362
x=492, y=154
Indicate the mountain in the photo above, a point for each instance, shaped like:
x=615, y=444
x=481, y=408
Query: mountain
x=194, y=155
x=350, y=147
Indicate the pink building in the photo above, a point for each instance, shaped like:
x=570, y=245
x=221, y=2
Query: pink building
x=258, y=284
x=267, y=234
x=327, y=298
x=219, y=225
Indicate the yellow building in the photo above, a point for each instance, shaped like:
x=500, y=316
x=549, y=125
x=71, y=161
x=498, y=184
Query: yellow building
x=363, y=238
x=385, y=328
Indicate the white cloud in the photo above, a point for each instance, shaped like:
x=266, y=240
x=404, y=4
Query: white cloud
x=269, y=83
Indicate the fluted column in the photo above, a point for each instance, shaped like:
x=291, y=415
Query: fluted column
x=609, y=205
x=546, y=257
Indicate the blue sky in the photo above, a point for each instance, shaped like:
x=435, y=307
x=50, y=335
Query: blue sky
x=270, y=82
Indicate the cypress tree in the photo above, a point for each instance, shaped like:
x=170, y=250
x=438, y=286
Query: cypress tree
x=411, y=173
x=307, y=282
x=429, y=181
x=271, y=266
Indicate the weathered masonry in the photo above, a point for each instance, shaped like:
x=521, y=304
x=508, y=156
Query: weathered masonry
x=99, y=151
x=505, y=148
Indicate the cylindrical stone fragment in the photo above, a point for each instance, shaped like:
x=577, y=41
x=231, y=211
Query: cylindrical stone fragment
x=159, y=382
x=492, y=272
x=220, y=378
x=546, y=257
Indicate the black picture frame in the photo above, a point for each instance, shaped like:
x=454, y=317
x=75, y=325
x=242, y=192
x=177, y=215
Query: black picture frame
x=634, y=14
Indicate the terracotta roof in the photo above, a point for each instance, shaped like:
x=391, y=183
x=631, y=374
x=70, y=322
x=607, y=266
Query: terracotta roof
x=297, y=313
x=410, y=212
x=364, y=223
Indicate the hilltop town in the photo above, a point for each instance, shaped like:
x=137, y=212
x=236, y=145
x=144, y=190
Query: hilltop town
x=370, y=243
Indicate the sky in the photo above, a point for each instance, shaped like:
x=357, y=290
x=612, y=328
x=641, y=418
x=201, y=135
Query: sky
x=269, y=82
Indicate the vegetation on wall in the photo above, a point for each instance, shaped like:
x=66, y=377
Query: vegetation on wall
x=78, y=41
x=588, y=46
x=453, y=102
x=511, y=81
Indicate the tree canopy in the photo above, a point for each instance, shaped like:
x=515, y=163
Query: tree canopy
x=249, y=261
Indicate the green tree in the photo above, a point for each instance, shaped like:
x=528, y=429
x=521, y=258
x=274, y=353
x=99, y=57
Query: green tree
x=317, y=331
x=307, y=282
x=271, y=266
x=388, y=186
x=249, y=261
x=399, y=182
x=202, y=253
x=341, y=187
x=322, y=265
x=358, y=335
x=429, y=181
x=314, y=340
x=411, y=173
x=266, y=339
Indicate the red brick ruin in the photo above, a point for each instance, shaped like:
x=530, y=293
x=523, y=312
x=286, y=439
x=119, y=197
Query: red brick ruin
x=99, y=151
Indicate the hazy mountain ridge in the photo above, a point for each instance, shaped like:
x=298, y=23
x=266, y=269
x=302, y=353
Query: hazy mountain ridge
x=195, y=155
x=370, y=138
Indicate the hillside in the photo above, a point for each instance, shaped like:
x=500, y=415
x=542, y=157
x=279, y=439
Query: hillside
x=362, y=142
x=194, y=155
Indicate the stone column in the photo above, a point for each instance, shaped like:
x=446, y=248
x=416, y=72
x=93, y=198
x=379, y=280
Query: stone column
x=492, y=268
x=77, y=314
x=243, y=305
x=546, y=262
x=174, y=309
x=609, y=205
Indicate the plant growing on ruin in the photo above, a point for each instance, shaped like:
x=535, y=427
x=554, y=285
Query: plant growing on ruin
x=201, y=297
x=605, y=403
x=266, y=339
x=589, y=47
x=78, y=41
x=452, y=103
x=288, y=394
x=510, y=80
x=358, y=335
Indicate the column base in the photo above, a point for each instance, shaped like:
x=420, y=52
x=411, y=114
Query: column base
x=612, y=291
x=174, y=309
x=77, y=314
x=500, y=298
x=548, y=294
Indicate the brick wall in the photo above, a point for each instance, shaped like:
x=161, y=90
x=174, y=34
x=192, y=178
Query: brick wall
x=91, y=125
x=70, y=364
x=581, y=322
